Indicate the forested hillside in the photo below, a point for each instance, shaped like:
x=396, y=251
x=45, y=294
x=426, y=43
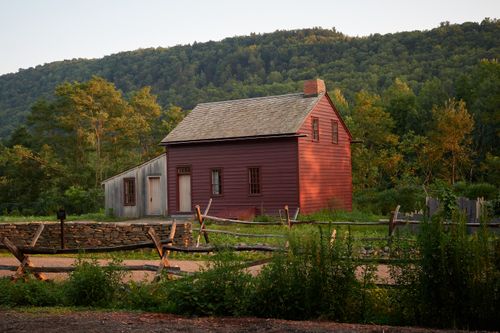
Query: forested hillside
x=424, y=108
x=266, y=64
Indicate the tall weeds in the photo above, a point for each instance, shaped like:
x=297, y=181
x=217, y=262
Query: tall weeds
x=314, y=278
x=455, y=281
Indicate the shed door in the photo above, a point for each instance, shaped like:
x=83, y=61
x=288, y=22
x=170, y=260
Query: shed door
x=185, y=193
x=154, y=195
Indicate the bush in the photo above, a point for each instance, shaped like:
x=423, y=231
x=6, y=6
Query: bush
x=30, y=292
x=314, y=278
x=143, y=296
x=221, y=289
x=92, y=285
x=78, y=200
x=410, y=198
x=478, y=190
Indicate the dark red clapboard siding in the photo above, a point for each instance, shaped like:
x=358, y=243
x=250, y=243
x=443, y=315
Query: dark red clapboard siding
x=324, y=168
x=277, y=159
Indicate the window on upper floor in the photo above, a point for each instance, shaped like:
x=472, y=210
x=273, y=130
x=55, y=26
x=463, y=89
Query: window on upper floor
x=254, y=185
x=216, y=180
x=335, y=131
x=129, y=191
x=315, y=129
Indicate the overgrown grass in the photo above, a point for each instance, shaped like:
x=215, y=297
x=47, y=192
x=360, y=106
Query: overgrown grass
x=455, y=281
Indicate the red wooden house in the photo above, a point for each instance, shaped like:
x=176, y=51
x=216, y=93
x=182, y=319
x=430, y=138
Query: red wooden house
x=253, y=156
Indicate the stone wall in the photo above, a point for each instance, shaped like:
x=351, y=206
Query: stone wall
x=93, y=234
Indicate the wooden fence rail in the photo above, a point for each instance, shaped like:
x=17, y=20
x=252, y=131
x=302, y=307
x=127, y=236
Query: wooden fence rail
x=165, y=247
x=68, y=269
x=49, y=250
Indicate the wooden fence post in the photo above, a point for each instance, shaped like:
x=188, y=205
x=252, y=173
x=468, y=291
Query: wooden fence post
x=393, y=221
x=287, y=216
x=201, y=220
x=163, y=254
x=23, y=259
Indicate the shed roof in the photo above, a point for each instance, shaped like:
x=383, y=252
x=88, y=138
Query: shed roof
x=162, y=155
x=251, y=117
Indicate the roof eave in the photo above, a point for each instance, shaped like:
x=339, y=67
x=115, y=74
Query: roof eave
x=241, y=138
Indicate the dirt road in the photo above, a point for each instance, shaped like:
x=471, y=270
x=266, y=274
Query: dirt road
x=185, y=265
x=114, y=322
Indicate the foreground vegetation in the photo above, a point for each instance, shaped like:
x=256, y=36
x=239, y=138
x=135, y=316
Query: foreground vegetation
x=448, y=278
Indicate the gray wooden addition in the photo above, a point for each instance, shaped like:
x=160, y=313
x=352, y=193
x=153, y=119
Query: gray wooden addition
x=150, y=187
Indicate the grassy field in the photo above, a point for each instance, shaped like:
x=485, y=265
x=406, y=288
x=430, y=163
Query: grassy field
x=99, y=217
x=357, y=233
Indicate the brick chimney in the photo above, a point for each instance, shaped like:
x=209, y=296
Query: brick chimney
x=314, y=87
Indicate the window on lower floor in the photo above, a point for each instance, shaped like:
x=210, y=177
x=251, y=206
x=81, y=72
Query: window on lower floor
x=129, y=191
x=216, y=176
x=254, y=184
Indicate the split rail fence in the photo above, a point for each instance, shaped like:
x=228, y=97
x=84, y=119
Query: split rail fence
x=165, y=247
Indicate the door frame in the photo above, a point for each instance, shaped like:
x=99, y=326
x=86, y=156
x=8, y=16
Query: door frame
x=185, y=172
x=148, y=194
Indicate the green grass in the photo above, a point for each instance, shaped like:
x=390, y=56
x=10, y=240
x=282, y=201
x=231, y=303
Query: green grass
x=100, y=217
x=340, y=215
x=221, y=239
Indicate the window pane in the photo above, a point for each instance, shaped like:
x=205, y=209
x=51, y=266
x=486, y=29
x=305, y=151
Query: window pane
x=335, y=132
x=254, y=180
x=315, y=128
x=216, y=182
x=129, y=191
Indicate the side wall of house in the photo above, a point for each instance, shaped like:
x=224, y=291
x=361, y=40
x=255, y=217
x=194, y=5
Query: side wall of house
x=276, y=158
x=324, y=166
x=154, y=168
x=114, y=189
x=114, y=196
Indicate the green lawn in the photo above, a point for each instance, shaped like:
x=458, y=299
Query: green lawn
x=99, y=217
x=357, y=233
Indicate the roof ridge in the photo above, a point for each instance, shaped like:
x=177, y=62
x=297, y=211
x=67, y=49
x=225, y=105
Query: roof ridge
x=251, y=98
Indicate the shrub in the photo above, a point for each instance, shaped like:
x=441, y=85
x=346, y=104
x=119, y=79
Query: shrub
x=78, y=200
x=314, y=278
x=410, y=198
x=220, y=289
x=456, y=281
x=480, y=190
x=143, y=296
x=30, y=292
x=92, y=285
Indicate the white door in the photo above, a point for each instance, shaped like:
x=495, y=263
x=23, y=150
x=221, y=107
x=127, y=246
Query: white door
x=185, y=193
x=154, y=196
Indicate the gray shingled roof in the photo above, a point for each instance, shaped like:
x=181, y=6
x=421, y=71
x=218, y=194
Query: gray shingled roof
x=261, y=116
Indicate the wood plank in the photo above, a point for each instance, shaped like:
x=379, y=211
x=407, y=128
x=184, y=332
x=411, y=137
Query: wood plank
x=164, y=263
x=67, y=269
x=238, y=234
x=287, y=217
x=201, y=220
x=211, y=248
x=49, y=250
x=392, y=224
x=156, y=240
x=25, y=263
x=37, y=235
x=220, y=219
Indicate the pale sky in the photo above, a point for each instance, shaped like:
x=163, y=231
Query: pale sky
x=34, y=32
